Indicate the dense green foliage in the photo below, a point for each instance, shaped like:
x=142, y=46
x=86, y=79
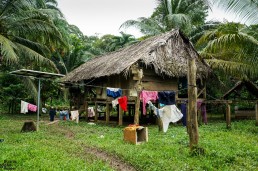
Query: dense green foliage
x=63, y=146
x=181, y=14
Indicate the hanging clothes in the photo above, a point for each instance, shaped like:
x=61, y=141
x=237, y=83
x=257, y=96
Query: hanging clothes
x=146, y=96
x=114, y=92
x=167, y=97
x=202, y=107
x=167, y=114
x=32, y=107
x=91, y=112
x=184, y=112
x=75, y=115
x=24, y=107
x=52, y=113
x=122, y=101
x=114, y=103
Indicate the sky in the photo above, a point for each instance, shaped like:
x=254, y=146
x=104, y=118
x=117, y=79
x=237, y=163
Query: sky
x=106, y=16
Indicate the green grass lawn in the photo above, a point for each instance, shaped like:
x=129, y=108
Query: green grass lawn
x=63, y=146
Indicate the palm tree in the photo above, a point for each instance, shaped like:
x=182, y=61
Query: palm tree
x=118, y=42
x=245, y=10
x=25, y=34
x=231, y=48
x=182, y=14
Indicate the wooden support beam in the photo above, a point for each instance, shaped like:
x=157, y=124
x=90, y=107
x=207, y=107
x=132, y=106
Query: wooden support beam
x=228, y=115
x=120, y=117
x=96, y=112
x=107, y=113
x=86, y=105
x=256, y=113
x=192, y=124
x=201, y=92
x=137, y=108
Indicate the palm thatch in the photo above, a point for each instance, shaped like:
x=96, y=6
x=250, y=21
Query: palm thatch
x=167, y=53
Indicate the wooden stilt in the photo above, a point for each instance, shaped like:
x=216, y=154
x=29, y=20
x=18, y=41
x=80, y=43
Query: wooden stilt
x=137, y=108
x=228, y=115
x=120, y=117
x=107, y=113
x=86, y=105
x=96, y=112
x=192, y=123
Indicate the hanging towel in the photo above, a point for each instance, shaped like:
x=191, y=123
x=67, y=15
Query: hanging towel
x=24, y=107
x=201, y=106
x=184, y=112
x=123, y=103
x=75, y=115
x=32, y=107
x=167, y=97
x=91, y=112
x=114, y=92
x=114, y=103
x=145, y=96
x=167, y=114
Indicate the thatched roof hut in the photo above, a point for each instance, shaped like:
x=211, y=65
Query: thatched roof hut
x=167, y=53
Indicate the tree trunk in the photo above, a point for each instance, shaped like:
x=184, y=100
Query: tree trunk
x=192, y=123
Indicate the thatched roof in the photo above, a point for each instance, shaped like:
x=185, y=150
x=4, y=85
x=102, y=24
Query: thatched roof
x=250, y=86
x=167, y=53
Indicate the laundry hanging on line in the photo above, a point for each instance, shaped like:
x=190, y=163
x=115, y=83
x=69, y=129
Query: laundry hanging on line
x=167, y=114
x=114, y=92
x=91, y=112
x=75, y=115
x=146, y=96
x=122, y=101
x=25, y=107
x=167, y=97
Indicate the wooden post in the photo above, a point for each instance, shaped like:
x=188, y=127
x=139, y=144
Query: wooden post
x=138, y=88
x=120, y=117
x=160, y=123
x=96, y=112
x=192, y=123
x=107, y=113
x=86, y=105
x=137, y=108
x=228, y=115
x=256, y=113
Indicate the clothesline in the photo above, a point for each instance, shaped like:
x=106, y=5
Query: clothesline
x=95, y=86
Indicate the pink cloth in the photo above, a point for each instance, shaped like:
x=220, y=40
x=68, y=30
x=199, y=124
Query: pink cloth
x=146, y=96
x=32, y=107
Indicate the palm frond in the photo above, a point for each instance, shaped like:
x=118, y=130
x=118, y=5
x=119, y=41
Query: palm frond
x=34, y=56
x=246, y=10
x=7, y=50
x=237, y=69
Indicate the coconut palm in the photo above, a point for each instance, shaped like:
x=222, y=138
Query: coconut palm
x=118, y=42
x=245, y=10
x=25, y=34
x=231, y=48
x=183, y=14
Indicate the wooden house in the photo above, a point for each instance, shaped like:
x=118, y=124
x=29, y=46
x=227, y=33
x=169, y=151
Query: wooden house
x=157, y=64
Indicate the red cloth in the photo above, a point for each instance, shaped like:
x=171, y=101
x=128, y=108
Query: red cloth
x=122, y=101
